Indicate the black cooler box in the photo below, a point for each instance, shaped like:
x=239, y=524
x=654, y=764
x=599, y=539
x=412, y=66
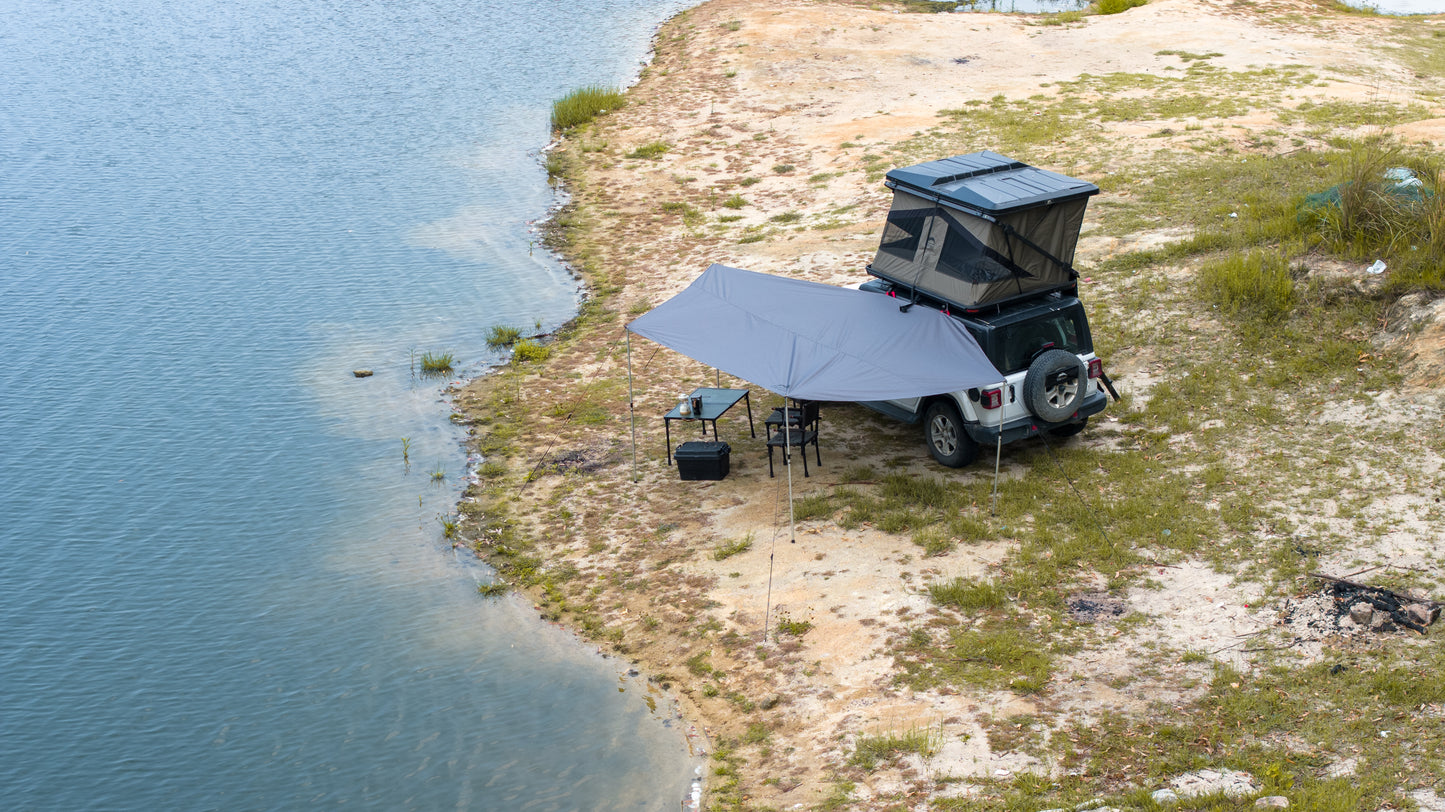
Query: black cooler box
x=700, y=460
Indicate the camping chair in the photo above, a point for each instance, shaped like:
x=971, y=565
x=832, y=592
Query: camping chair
x=785, y=433
x=803, y=414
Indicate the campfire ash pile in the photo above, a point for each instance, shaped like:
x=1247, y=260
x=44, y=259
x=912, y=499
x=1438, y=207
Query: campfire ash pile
x=1380, y=609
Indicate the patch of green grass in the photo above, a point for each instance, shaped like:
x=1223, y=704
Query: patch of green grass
x=1061, y=18
x=698, y=664
x=734, y=202
x=749, y=181
x=495, y=589
x=793, y=628
x=1256, y=285
x=584, y=104
x=870, y=751
x=728, y=549
x=817, y=506
x=689, y=214
x=783, y=169
x=786, y=217
x=650, y=151
x=968, y=594
x=729, y=218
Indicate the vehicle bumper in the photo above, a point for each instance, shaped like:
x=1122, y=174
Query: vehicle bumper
x=1030, y=426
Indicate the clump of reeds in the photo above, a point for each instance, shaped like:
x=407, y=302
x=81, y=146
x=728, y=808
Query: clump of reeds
x=584, y=104
x=1388, y=207
x=502, y=335
x=437, y=363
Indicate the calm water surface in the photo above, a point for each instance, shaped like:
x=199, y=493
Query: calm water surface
x=222, y=588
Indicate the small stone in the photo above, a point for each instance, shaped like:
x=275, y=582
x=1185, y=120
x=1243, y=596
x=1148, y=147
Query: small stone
x=1164, y=796
x=1272, y=802
x=1361, y=613
x=361, y=373
x=1421, y=614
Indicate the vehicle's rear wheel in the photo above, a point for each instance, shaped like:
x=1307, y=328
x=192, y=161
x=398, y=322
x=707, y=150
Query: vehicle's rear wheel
x=1055, y=385
x=947, y=441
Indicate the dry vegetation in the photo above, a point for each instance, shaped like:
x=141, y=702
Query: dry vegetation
x=1135, y=604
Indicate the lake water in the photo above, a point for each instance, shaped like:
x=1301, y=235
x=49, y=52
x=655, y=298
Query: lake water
x=222, y=587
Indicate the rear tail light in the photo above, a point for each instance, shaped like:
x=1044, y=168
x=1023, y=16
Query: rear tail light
x=991, y=398
x=1096, y=368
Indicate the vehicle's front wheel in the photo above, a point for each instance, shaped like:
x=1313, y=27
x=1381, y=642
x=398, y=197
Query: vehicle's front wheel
x=947, y=441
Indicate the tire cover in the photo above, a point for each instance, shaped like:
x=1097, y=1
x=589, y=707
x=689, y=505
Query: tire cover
x=1041, y=372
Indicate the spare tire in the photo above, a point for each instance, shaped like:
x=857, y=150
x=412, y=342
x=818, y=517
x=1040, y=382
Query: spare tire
x=1055, y=385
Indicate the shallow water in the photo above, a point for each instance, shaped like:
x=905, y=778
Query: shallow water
x=223, y=586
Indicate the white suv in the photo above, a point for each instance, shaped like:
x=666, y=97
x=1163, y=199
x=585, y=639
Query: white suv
x=1052, y=381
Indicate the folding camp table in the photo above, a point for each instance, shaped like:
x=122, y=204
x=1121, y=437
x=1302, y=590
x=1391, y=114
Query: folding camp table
x=715, y=402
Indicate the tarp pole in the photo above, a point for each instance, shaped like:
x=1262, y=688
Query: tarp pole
x=788, y=458
x=631, y=410
x=997, y=457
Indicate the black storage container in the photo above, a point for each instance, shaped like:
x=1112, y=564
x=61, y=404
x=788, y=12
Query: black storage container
x=702, y=460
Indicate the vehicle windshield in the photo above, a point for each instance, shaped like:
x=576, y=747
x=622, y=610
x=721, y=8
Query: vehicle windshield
x=1015, y=345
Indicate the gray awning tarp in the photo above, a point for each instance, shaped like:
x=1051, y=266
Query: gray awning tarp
x=816, y=342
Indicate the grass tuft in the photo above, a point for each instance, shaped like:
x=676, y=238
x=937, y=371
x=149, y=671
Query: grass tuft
x=501, y=335
x=650, y=151
x=728, y=549
x=436, y=363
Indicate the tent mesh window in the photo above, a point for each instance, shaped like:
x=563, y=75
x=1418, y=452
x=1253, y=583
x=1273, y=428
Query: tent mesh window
x=965, y=257
x=903, y=231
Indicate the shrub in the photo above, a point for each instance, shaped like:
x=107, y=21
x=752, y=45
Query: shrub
x=584, y=104
x=1257, y=284
x=735, y=202
x=527, y=350
x=1117, y=6
x=1385, y=208
x=783, y=169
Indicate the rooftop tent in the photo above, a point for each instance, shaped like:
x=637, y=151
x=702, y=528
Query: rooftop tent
x=981, y=228
x=814, y=341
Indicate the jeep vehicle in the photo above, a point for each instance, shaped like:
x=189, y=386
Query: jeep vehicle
x=990, y=242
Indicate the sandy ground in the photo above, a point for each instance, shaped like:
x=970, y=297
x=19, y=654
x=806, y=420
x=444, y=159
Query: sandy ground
x=739, y=87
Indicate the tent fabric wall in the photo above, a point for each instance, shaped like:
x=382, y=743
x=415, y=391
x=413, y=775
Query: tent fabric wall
x=966, y=260
x=818, y=342
x=981, y=228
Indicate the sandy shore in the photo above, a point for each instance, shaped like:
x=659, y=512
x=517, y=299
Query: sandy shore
x=791, y=110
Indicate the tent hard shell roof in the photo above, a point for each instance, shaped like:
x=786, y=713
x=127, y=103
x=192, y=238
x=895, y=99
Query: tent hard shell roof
x=988, y=182
x=816, y=342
